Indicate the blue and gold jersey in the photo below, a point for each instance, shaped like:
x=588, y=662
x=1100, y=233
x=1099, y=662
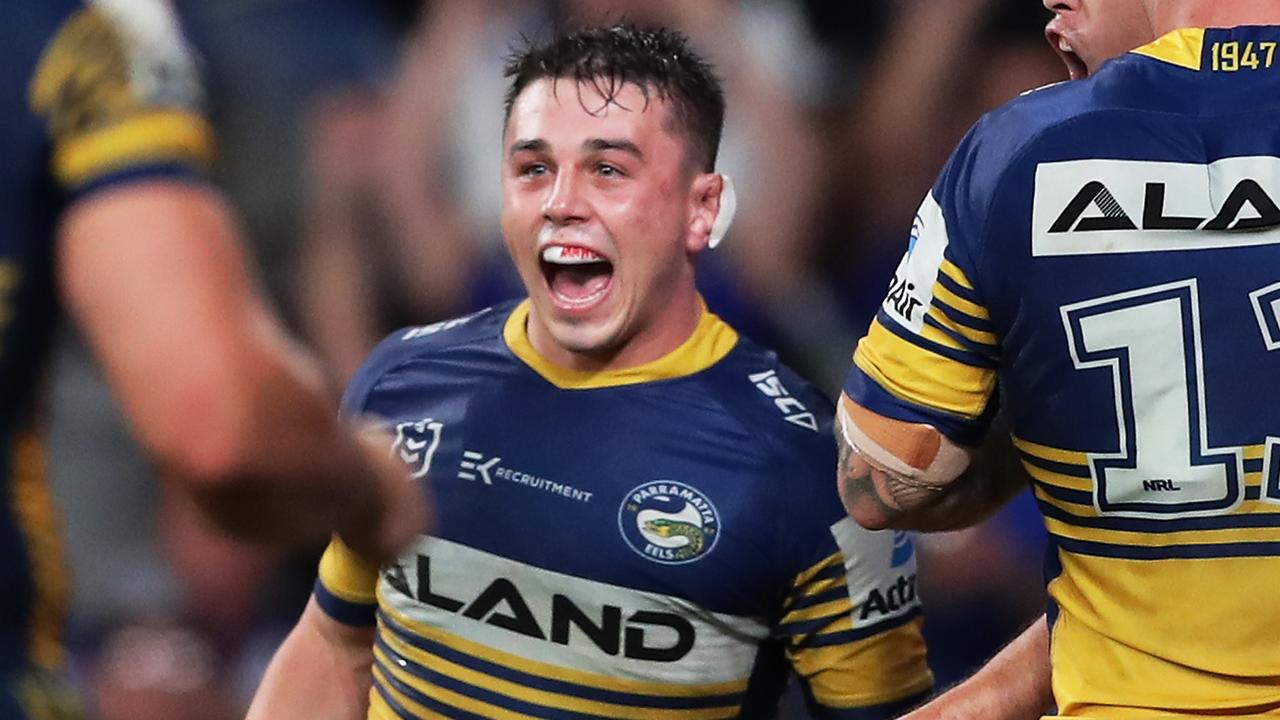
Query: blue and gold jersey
x=91, y=95
x=1104, y=255
x=662, y=541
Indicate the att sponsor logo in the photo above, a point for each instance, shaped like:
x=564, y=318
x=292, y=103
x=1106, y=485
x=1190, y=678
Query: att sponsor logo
x=614, y=630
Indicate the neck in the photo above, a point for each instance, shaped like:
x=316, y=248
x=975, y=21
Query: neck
x=1170, y=16
x=656, y=338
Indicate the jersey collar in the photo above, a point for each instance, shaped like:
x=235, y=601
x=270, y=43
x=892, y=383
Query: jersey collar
x=1183, y=48
x=711, y=340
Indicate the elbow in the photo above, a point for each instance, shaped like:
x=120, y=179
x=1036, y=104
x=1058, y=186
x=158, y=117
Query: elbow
x=871, y=518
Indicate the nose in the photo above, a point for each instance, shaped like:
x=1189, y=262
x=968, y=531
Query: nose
x=1060, y=6
x=565, y=203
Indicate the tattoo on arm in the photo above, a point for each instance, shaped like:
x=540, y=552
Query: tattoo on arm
x=858, y=486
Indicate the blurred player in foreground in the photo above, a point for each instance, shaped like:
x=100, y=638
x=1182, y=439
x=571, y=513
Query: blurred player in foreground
x=1107, y=250
x=105, y=158
x=636, y=516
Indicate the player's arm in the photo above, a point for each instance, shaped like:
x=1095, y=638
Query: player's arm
x=1013, y=685
x=909, y=476
x=896, y=474
x=324, y=668
x=321, y=672
x=151, y=268
x=218, y=395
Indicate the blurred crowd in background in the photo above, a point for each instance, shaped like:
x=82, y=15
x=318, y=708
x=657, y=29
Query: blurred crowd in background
x=360, y=141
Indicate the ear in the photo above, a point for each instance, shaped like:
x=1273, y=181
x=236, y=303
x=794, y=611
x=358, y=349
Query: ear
x=704, y=206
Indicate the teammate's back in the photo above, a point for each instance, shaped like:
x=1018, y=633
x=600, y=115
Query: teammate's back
x=1110, y=250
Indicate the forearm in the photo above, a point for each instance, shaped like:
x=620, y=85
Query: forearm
x=218, y=396
x=880, y=499
x=319, y=673
x=1014, y=685
x=909, y=476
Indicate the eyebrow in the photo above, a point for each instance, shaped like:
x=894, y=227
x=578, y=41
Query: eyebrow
x=535, y=145
x=603, y=144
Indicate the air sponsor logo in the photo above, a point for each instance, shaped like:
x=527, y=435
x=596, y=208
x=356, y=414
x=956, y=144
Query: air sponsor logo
x=669, y=522
x=793, y=411
x=416, y=443
x=911, y=289
x=614, y=630
x=1088, y=207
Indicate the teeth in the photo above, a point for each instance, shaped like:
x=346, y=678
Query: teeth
x=1064, y=46
x=570, y=255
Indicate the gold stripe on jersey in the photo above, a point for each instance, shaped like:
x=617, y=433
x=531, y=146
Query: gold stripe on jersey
x=1146, y=539
x=1184, y=48
x=558, y=701
x=37, y=519
x=957, y=275
x=815, y=587
x=159, y=136
x=933, y=334
x=911, y=373
x=1144, y=639
x=878, y=669
x=1044, y=452
x=347, y=575
x=981, y=337
x=711, y=340
x=954, y=301
x=382, y=684
x=571, y=675
x=1078, y=509
x=803, y=578
x=1049, y=477
x=830, y=608
x=839, y=624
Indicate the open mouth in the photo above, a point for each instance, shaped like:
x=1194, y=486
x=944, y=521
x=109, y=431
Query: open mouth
x=1076, y=67
x=577, y=276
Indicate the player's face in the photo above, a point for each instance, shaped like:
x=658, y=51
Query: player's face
x=603, y=217
x=1087, y=33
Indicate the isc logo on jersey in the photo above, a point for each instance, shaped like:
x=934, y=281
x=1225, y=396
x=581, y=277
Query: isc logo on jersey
x=1086, y=207
x=669, y=522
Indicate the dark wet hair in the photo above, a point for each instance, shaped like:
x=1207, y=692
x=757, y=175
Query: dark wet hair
x=655, y=59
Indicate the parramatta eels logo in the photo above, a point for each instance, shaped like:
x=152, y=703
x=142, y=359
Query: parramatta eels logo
x=669, y=522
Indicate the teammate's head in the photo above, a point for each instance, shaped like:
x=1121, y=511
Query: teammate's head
x=608, y=190
x=1087, y=33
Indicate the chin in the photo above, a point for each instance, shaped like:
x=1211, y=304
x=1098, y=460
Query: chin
x=590, y=339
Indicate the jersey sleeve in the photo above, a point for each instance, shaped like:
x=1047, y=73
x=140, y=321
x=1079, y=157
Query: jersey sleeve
x=117, y=91
x=346, y=586
x=930, y=356
x=850, y=616
x=852, y=625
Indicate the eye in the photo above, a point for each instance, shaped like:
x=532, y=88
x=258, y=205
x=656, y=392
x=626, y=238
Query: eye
x=533, y=170
x=609, y=171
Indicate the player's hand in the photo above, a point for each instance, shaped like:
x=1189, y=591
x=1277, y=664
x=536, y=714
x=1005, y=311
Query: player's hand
x=398, y=510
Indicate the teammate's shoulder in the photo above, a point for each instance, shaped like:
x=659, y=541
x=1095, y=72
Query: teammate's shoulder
x=477, y=333
x=1007, y=130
